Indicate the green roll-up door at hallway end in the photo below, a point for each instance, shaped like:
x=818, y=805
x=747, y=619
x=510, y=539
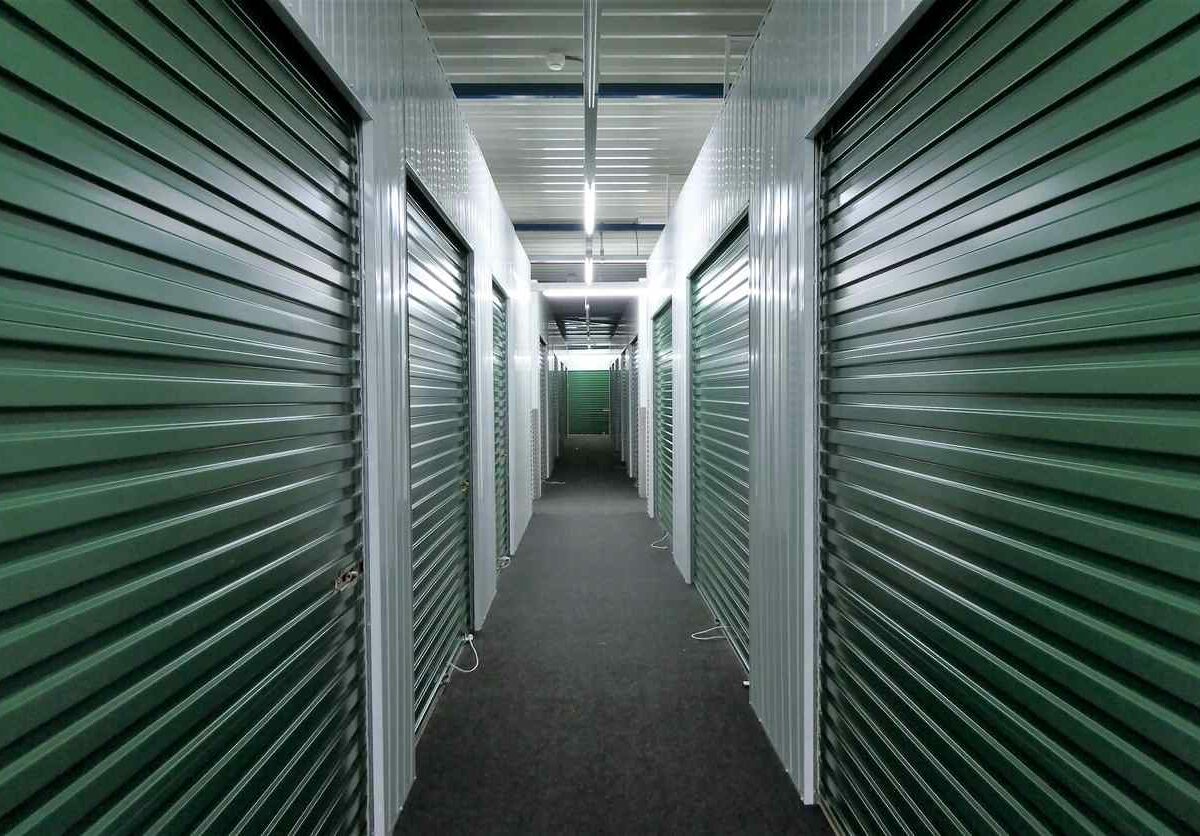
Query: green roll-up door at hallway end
x=587, y=401
x=181, y=635
x=1011, y=447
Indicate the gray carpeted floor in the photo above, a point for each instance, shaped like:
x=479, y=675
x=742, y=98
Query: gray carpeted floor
x=593, y=711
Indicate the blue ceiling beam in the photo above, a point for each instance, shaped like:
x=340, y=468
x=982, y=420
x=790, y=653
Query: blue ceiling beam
x=601, y=226
x=632, y=90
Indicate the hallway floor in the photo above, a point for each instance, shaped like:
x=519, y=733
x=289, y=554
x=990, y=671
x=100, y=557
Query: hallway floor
x=593, y=711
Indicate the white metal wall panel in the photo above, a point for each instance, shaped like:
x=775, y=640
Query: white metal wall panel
x=414, y=121
x=806, y=53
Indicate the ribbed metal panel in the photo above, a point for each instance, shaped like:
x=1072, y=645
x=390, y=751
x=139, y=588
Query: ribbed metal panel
x=644, y=448
x=587, y=396
x=500, y=396
x=179, y=441
x=720, y=451
x=664, y=451
x=1011, y=587
x=806, y=52
x=383, y=53
x=439, y=457
x=552, y=416
x=544, y=413
x=614, y=404
x=623, y=394
x=634, y=422
x=562, y=406
x=535, y=433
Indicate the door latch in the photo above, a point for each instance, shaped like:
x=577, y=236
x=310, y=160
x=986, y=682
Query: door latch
x=466, y=486
x=348, y=577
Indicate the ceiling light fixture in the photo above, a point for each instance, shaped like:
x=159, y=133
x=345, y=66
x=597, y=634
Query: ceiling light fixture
x=589, y=269
x=589, y=206
x=591, y=98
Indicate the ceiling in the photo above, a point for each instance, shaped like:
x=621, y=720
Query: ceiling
x=620, y=254
x=609, y=321
x=648, y=137
x=664, y=66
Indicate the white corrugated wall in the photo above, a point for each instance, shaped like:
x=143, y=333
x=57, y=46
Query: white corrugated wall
x=757, y=160
x=382, y=52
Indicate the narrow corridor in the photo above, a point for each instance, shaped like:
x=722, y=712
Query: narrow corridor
x=593, y=711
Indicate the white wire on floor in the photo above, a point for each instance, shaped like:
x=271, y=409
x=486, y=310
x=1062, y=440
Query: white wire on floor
x=470, y=639
x=700, y=637
x=661, y=542
x=503, y=563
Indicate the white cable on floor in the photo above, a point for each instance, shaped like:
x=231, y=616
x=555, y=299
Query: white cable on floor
x=660, y=543
x=470, y=639
x=700, y=637
x=552, y=482
x=504, y=562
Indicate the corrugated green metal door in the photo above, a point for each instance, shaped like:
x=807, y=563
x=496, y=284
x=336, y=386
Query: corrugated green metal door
x=552, y=411
x=587, y=397
x=720, y=337
x=664, y=410
x=1011, y=448
x=500, y=395
x=634, y=418
x=562, y=406
x=625, y=423
x=614, y=402
x=180, y=455
x=440, y=443
x=544, y=409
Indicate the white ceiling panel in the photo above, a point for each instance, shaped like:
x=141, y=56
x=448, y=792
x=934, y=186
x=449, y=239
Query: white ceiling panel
x=644, y=150
x=663, y=65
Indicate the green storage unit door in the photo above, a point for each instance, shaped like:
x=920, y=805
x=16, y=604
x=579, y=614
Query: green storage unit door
x=543, y=409
x=562, y=406
x=626, y=427
x=720, y=303
x=500, y=395
x=552, y=413
x=614, y=399
x=440, y=444
x=664, y=410
x=634, y=420
x=1011, y=442
x=587, y=399
x=180, y=450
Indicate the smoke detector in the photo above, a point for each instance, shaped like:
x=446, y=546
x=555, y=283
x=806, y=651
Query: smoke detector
x=556, y=61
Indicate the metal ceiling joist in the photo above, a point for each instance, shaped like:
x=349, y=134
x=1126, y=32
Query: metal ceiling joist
x=612, y=90
x=610, y=226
